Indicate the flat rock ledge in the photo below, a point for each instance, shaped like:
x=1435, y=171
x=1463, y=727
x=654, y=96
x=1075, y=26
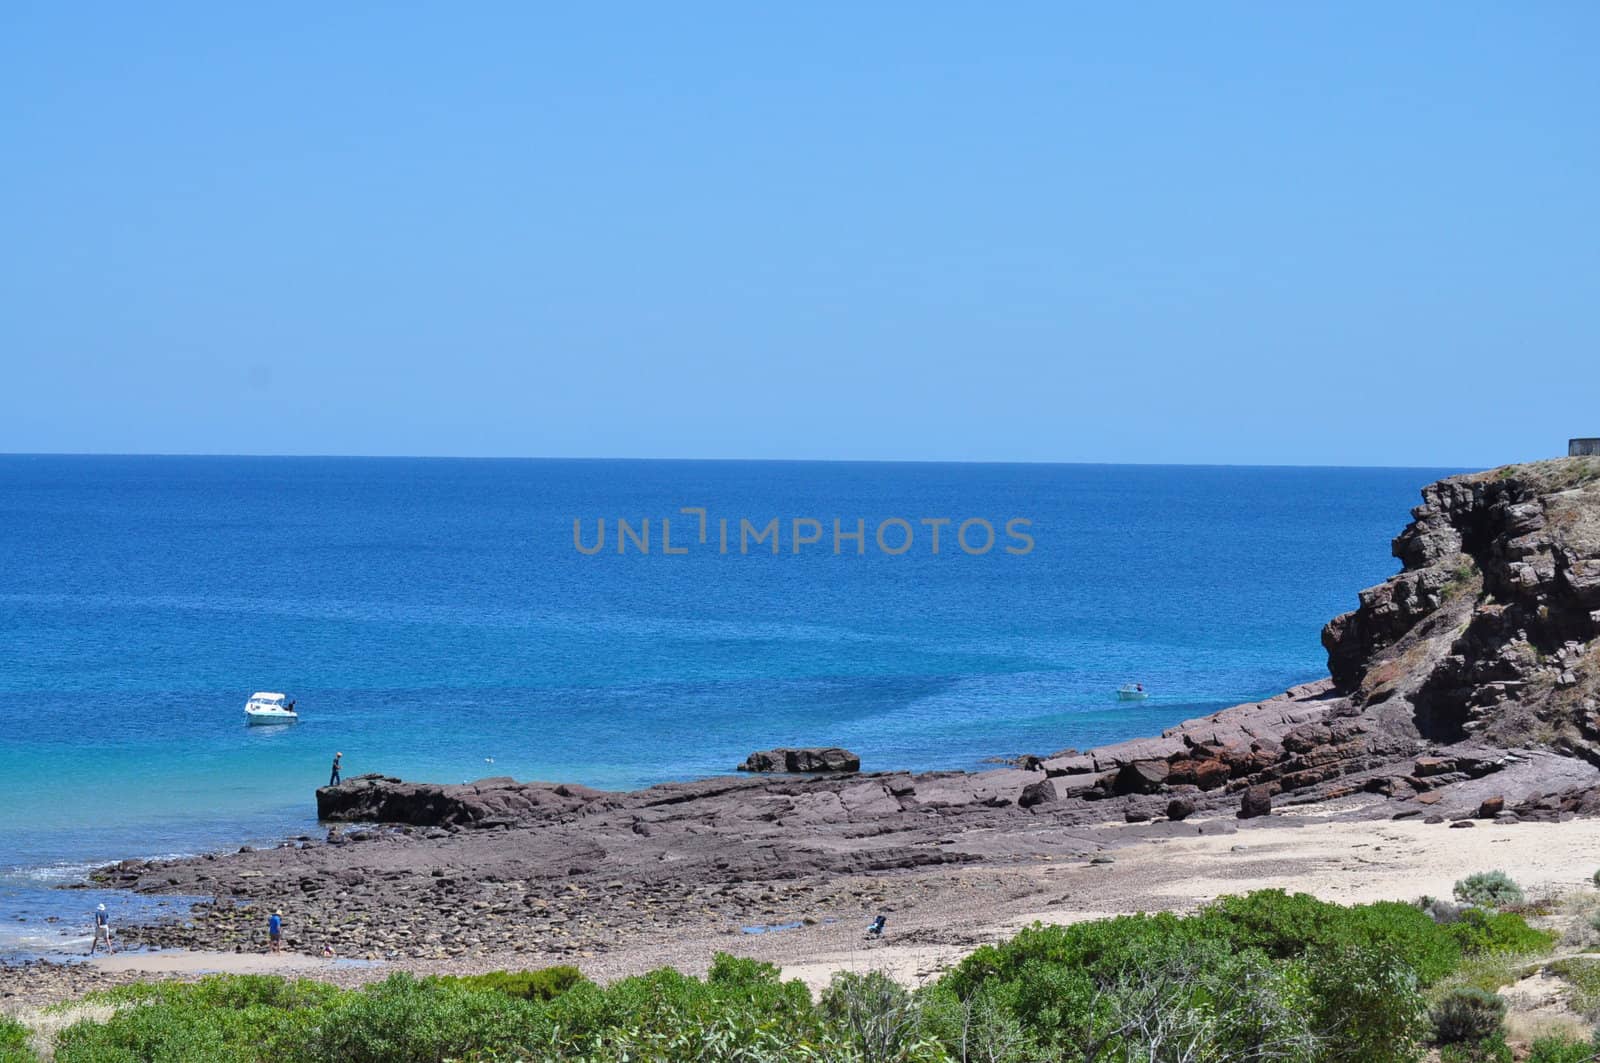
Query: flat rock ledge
x=812, y=759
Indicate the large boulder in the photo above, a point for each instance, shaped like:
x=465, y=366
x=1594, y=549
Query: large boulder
x=1042, y=792
x=1141, y=777
x=812, y=759
x=1257, y=801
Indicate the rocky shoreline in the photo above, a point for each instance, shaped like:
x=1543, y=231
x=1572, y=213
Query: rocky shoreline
x=1462, y=689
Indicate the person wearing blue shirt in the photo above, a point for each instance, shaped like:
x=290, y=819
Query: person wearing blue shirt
x=275, y=931
x=102, y=930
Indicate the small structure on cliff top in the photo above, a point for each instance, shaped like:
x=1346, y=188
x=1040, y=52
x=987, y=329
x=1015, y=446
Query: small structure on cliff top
x=1581, y=447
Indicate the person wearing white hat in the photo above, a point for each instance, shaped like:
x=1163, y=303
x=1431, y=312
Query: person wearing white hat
x=102, y=929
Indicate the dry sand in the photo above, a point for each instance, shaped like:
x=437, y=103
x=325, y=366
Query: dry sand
x=1343, y=861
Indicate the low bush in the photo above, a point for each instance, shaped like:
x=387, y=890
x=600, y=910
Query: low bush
x=14, y=1042
x=1288, y=925
x=878, y=1015
x=1480, y=932
x=1583, y=975
x=1467, y=1014
x=403, y=1020
x=1366, y=1005
x=729, y=970
x=1250, y=977
x=544, y=984
x=665, y=1015
x=1489, y=1050
x=1560, y=1050
x=1489, y=889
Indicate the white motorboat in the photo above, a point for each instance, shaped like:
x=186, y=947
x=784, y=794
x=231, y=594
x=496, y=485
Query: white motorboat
x=1132, y=692
x=267, y=707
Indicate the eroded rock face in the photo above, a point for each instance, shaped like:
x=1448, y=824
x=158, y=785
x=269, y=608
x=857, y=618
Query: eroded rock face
x=1492, y=628
x=497, y=802
x=814, y=759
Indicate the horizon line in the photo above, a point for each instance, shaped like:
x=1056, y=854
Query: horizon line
x=791, y=461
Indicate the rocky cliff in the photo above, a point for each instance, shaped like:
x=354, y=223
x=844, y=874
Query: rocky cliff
x=1490, y=629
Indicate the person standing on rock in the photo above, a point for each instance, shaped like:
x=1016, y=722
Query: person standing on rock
x=333, y=780
x=275, y=930
x=102, y=929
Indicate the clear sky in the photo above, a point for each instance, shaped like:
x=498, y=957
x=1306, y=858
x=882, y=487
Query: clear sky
x=1186, y=232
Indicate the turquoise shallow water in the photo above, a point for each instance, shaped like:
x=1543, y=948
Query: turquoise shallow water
x=435, y=621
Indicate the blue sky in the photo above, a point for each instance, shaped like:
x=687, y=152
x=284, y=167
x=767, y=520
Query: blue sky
x=1254, y=233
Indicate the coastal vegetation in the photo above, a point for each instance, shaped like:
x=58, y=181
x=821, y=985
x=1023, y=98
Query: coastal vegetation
x=14, y=1039
x=1489, y=889
x=1267, y=976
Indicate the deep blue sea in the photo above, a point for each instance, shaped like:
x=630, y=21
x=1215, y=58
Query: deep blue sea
x=434, y=620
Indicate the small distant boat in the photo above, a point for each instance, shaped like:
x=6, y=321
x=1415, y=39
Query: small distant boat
x=267, y=707
x=1132, y=692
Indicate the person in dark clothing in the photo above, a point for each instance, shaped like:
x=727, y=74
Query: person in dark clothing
x=333, y=780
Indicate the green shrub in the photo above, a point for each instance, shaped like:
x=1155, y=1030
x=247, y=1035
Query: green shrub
x=1479, y=932
x=403, y=1020
x=730, y=970
x=1489, y=889
x=982, y=1026
x=1282, y=925
x=222, y=1018
x=876, y=1013
x=1288, y=925
x=1489, y=1050
x=1596, y=878
x=1560, y=1050
x=546, y=983
x=179, y=1031
x=14, y=1042
x=1250, y=976
x=1366, y=1004
x=665, y=1015
x=1467, y=1014
x=1583, y=974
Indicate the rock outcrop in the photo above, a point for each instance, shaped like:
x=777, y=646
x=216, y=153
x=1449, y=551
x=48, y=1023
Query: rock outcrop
x=1490, y=629
x=487, y=803
x=813, y=759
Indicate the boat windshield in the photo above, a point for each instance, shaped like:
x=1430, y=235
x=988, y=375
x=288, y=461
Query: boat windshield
x=275, y=700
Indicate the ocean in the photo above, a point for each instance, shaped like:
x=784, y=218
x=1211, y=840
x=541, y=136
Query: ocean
x=436, y=619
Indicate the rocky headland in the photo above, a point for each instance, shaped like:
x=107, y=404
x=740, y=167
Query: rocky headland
x=1464, y=688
